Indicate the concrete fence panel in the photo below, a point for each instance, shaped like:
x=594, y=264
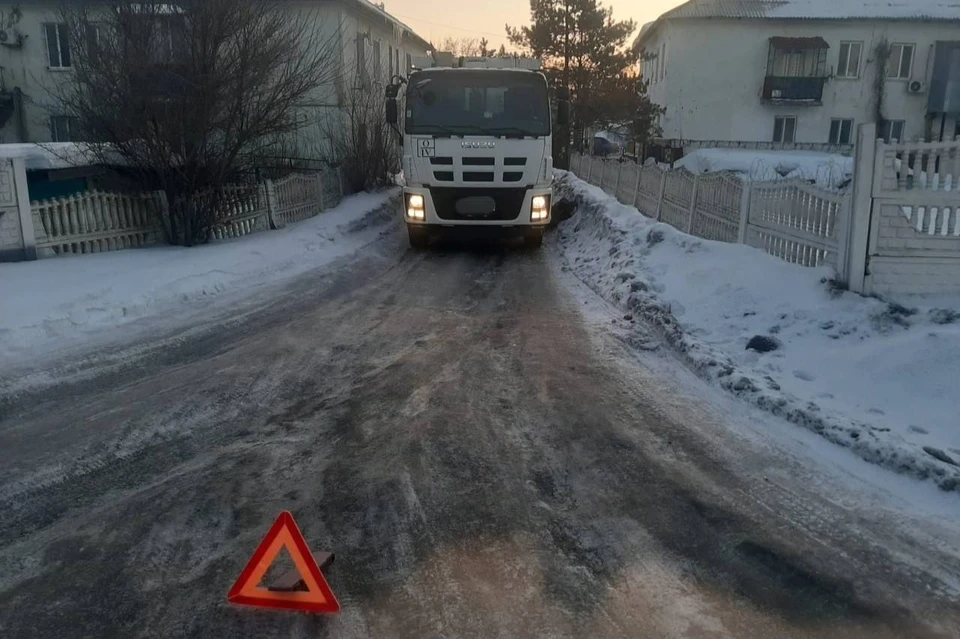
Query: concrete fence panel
x=297, y=197
x=609, y=173
x=677, y=198
x=914, y=242
x=717, y=210
x=797, y=222
x=95, y=222
x=651, y=190
x=242, y=210
x=628, y=183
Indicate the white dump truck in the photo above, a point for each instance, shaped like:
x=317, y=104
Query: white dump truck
x=477, y=145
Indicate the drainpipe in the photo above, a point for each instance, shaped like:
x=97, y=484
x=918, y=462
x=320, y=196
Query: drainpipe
x=21, y=118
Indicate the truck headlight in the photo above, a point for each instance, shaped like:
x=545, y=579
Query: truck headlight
x=415, y=210
x=540, y=208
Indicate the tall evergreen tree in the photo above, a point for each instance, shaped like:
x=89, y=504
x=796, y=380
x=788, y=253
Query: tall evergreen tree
x=585, y=50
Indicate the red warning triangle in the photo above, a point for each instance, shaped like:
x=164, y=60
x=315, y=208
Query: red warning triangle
x=284, y=534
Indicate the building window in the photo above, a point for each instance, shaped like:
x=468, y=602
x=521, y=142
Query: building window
x=892, y=131
x=361, y=59
x=377, y=61
x=848, y=64
x=396, y=53
x=900, y=62
x=663, y=57
x=409, y=64
x=784, y=129
x=58, y=45
x=64, y=128
x=841, y=131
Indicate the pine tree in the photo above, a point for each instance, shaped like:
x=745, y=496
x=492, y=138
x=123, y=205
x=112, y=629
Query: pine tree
x=585, y=50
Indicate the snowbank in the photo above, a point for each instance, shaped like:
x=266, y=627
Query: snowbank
x=826, y=170
x=874, y=377
x=59, y=301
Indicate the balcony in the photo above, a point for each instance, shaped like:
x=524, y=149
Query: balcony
x=800, y=91
x=796, y=71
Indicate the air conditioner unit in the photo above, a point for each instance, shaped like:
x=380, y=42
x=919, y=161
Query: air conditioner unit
x=916, y=86
x=11, y=38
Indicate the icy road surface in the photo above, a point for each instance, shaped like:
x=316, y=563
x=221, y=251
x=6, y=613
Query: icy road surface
x=489, y=453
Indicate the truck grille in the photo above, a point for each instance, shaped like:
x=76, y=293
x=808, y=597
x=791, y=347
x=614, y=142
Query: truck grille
x=508, y=203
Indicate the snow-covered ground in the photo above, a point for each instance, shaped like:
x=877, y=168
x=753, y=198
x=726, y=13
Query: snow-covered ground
x=826, y=170
x=57, y=303
x=875, y=377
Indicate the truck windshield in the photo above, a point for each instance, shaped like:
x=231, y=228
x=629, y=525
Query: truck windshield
x=478, y=103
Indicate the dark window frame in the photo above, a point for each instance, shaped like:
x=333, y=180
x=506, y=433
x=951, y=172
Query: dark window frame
x=780, y=129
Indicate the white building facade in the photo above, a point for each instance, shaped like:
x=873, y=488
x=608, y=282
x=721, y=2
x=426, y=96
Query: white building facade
x=35, y=54
x=804, y=73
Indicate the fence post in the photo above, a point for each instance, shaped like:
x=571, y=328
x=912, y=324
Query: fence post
x=636, y=190
x=616, y=185
x=693, y=204
x=745, y=196
x=270, y=195
x=860, y=210
x=27, y=234
x=340, y=182
x=590, y=172
x=323, y=203
x=663, y=186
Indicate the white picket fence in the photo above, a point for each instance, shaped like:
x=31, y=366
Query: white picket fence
x=94, y=222
x=794, y=221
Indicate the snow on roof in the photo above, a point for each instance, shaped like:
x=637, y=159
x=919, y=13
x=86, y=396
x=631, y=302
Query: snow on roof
x=381, y=9
x=916, y=10
x=51, y=155
x=819, y=9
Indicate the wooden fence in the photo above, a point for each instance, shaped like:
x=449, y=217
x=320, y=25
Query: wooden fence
x=794, y=221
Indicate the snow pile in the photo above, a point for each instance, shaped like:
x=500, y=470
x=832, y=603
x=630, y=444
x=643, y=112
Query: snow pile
x=826, y=170
x=57, y=302
x=874, y=377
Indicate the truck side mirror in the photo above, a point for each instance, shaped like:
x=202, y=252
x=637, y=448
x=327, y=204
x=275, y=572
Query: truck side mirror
x=392, y=115
x=563, y=113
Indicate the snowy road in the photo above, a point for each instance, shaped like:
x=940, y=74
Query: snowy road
x=472, y=435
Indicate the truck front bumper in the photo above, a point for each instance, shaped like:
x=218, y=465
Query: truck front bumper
x=513, y=207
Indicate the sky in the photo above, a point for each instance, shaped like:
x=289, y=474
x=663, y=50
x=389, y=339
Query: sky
x=437, y=19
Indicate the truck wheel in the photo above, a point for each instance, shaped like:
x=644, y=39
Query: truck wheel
x=419, y=237
x=533, y=238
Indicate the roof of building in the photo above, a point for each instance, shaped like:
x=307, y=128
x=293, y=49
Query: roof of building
x=819, y=9
x=379, y=8
x=913, y=10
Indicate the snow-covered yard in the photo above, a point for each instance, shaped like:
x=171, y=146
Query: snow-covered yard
x=873, y=376
x=826, y=170
x=56, y=303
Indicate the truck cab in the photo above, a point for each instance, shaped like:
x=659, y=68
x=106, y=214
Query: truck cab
x=477, y=147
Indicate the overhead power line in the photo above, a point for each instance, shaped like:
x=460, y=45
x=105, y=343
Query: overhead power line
x=450, y=26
